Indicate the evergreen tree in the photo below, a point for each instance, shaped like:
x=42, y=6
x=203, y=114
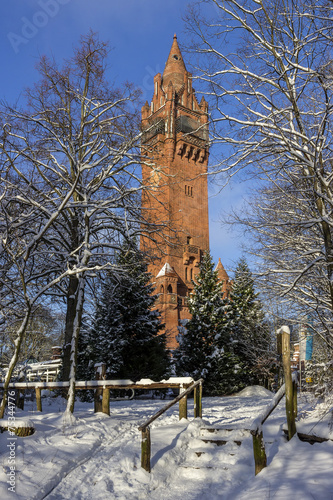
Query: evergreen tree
x=125, y=331
x=250, y=332
x=204, y=341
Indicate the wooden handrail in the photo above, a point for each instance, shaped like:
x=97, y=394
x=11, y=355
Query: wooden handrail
x=258, y=422
x=171, y=403
x=144, y=428
x=256, y=427
x=289, y=388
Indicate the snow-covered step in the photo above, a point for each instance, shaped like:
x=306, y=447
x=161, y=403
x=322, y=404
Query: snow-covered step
x=222, y=435
x=223, y=430
x=220, y=441
x=210, y=460
x=218, y=449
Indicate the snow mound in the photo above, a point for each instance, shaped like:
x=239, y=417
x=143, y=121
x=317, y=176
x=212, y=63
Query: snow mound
x=145, y=381
x=254, y=390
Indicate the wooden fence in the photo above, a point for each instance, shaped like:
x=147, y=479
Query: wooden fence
x=103, y=387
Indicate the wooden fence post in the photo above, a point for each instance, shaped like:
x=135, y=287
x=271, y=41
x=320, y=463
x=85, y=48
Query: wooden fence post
x=290, y=409
x=198, y=401
x=106, y=401
x=195, y=398
x=145, y=449
x=295, y=398
x=38, y=399
x=100, y=375
x=20, y=399
x=182, y=405
x=259, y=452
x=279, y=358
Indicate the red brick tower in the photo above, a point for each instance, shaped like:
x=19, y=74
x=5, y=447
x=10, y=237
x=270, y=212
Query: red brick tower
x=174, y=167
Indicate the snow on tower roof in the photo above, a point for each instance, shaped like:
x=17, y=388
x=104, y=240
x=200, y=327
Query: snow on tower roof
x=166, y=270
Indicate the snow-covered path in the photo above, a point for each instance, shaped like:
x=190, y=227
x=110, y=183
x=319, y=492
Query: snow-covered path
x=183, y=467
x=98, y=457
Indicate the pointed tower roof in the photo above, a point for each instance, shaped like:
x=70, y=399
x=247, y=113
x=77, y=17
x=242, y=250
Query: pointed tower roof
x=221, y=272
x=166, y=270
x=175, y=69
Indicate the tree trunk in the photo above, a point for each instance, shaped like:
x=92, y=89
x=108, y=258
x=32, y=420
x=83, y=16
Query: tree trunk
x=70, y=317
x=74, y=344
x=13, y=361
x=38, y=399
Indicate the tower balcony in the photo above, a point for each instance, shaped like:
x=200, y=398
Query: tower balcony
x=155, y=128
x=191, y=255
x=193, y=127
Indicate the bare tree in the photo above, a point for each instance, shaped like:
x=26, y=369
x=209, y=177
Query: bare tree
x=266, y=64
x=24, y=277
x=74, y=153
x=290, y=255
x=44, y=331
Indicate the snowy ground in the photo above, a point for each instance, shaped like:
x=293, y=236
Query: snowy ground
x=98, y=457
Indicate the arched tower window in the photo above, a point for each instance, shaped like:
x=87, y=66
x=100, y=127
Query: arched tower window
x=162, y=289
x=169, y=289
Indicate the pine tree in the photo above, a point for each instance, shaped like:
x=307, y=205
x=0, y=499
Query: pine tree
x=125, y=331
x=205, y=339
x=250, y=332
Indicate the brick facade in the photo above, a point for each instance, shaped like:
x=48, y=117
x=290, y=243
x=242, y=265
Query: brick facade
x=175, y=198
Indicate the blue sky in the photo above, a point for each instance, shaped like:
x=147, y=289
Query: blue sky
x=140, y=33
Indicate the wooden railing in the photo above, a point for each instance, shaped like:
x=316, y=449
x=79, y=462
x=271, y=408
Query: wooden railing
x=182, y=398
x=259, y=452
x=103, y=386
x=289, y=389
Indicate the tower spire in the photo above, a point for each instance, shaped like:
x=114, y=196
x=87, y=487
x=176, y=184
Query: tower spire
x=175, y=69
x=223, y=276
